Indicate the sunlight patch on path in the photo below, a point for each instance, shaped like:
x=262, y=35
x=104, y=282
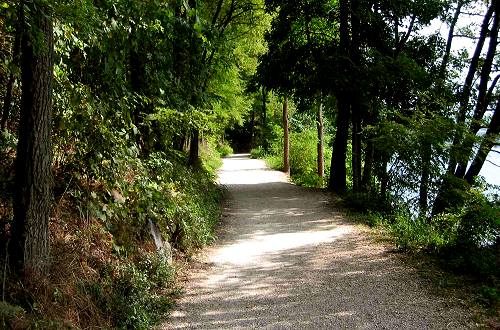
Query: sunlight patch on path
x=248, y=171
x=257, y=248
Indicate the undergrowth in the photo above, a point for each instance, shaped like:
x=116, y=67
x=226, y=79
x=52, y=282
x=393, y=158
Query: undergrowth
x=105, y=271
x=303, y=157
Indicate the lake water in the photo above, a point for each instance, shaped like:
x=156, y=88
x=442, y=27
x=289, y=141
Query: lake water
x=491, y=168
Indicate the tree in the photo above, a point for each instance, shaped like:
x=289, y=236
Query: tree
x=286, y=139
x=29, y=246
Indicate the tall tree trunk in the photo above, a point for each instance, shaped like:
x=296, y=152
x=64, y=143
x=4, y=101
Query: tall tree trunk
x=367, y=179
x=425, y=172
x=384, y=177
x=320, y=153
x=29, y=247
x=337, y=181
x=441, y=203
x=467, y=88
x=286, y=138
x=263, y=134
x=356, y=103
x=484, y=76
x=356, y=149
x=486, y=146
x=252, y=129
x=449, y=41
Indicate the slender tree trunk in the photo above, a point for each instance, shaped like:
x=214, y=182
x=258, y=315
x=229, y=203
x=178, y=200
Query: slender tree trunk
x=425, y=171
x=468, y=143
x=486, y=145
x=337, y=181
x=29, y=247
x=368, y=168
x=286, y=138
x=384, y=177
x=194, y=147
x=320, y=153
x=441, y=202
x=449, y=41
x=263, y=134
x=467, y=88
x=356, y=150
x=252, y=129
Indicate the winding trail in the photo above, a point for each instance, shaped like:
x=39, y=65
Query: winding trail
x=286, y=258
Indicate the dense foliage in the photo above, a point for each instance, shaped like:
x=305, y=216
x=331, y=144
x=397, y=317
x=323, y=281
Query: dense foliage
x=139, y=95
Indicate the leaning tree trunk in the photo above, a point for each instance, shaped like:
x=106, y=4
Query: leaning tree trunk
x=441, y=203
x=485, y=147
x=320, y=153
x=29, y=246
x=286, y=138
x=468, y=143
x=467, y=88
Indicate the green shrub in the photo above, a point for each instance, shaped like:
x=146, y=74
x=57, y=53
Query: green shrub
x=415, y=234
x=224, y=149
x=258, y=152
x=134, y=294
x=366, y=202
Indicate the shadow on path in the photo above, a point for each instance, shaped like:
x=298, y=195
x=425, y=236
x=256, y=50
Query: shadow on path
x=287, y=260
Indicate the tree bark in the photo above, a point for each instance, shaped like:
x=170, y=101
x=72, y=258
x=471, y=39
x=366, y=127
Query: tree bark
x=263, y=134
x=366, y=182
x=425, y=171
x=320, y=153
x=356, y=149
x=337, y=181
x=29, y=248
x=286, y=138
x=194, y=148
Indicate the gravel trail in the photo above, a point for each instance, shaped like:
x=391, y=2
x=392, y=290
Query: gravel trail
x=287, y=259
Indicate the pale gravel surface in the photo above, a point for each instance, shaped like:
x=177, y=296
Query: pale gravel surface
x=288, y=259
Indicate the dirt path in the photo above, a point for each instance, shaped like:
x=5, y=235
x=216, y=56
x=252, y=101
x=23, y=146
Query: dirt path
x=286, y=259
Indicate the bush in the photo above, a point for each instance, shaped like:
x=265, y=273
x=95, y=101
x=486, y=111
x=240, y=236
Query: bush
x=258, y=152
x=415, y=234
x=224, y=149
